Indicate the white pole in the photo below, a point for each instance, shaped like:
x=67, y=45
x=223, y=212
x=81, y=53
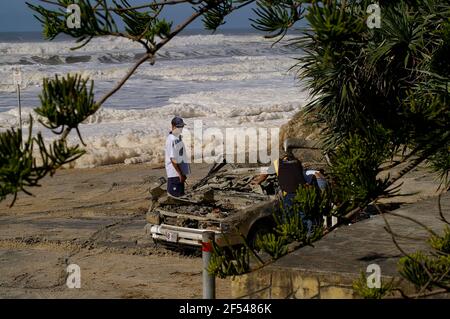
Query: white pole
x=209, y=281
x=18, y=82
x=334, y=221
x=20, y=107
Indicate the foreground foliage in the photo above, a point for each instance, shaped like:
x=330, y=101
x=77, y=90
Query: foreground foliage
x=431, y=270
x=291, y=226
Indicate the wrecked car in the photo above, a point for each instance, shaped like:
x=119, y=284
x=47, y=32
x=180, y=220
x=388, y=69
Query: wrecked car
x=225, y=202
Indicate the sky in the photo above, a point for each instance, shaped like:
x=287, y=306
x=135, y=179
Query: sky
x=15, y=16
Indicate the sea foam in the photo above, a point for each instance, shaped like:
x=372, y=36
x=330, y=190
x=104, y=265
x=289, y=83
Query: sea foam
x=225, y=81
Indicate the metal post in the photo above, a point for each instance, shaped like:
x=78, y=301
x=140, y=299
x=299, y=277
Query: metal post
x=209, y=281
x=20, y=107
x=328, y=221
x=17, y=75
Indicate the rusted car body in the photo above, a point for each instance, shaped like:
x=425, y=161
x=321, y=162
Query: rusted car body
x=228, y=204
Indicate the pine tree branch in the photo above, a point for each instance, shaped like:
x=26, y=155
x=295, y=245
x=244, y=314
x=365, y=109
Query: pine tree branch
x=149, y=55
x=130, y=72
x=441, y=214
x=188, y=21
x=428, y=229
x=394, y=240
x=143, y=6
x=428, y=294
x=414, y=163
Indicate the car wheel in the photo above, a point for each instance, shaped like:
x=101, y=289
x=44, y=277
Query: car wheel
x=260, y=228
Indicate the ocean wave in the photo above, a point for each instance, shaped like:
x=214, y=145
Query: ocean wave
x=118, y=50
x=223, y=69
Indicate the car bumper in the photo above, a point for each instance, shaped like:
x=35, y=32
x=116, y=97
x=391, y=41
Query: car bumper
x=188, y=236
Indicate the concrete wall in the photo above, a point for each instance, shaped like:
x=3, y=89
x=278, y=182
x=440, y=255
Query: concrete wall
x=282, y=284
x=329, y=269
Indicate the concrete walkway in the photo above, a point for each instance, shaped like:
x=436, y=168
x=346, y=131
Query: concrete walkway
x=328, y=269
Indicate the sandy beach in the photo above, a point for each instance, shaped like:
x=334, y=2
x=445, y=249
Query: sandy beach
x=95, y=218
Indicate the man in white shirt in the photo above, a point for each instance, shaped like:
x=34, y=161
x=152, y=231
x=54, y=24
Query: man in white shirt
x=177, y=166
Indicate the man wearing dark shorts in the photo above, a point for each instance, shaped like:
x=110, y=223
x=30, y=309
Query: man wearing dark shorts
x=177, y=166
